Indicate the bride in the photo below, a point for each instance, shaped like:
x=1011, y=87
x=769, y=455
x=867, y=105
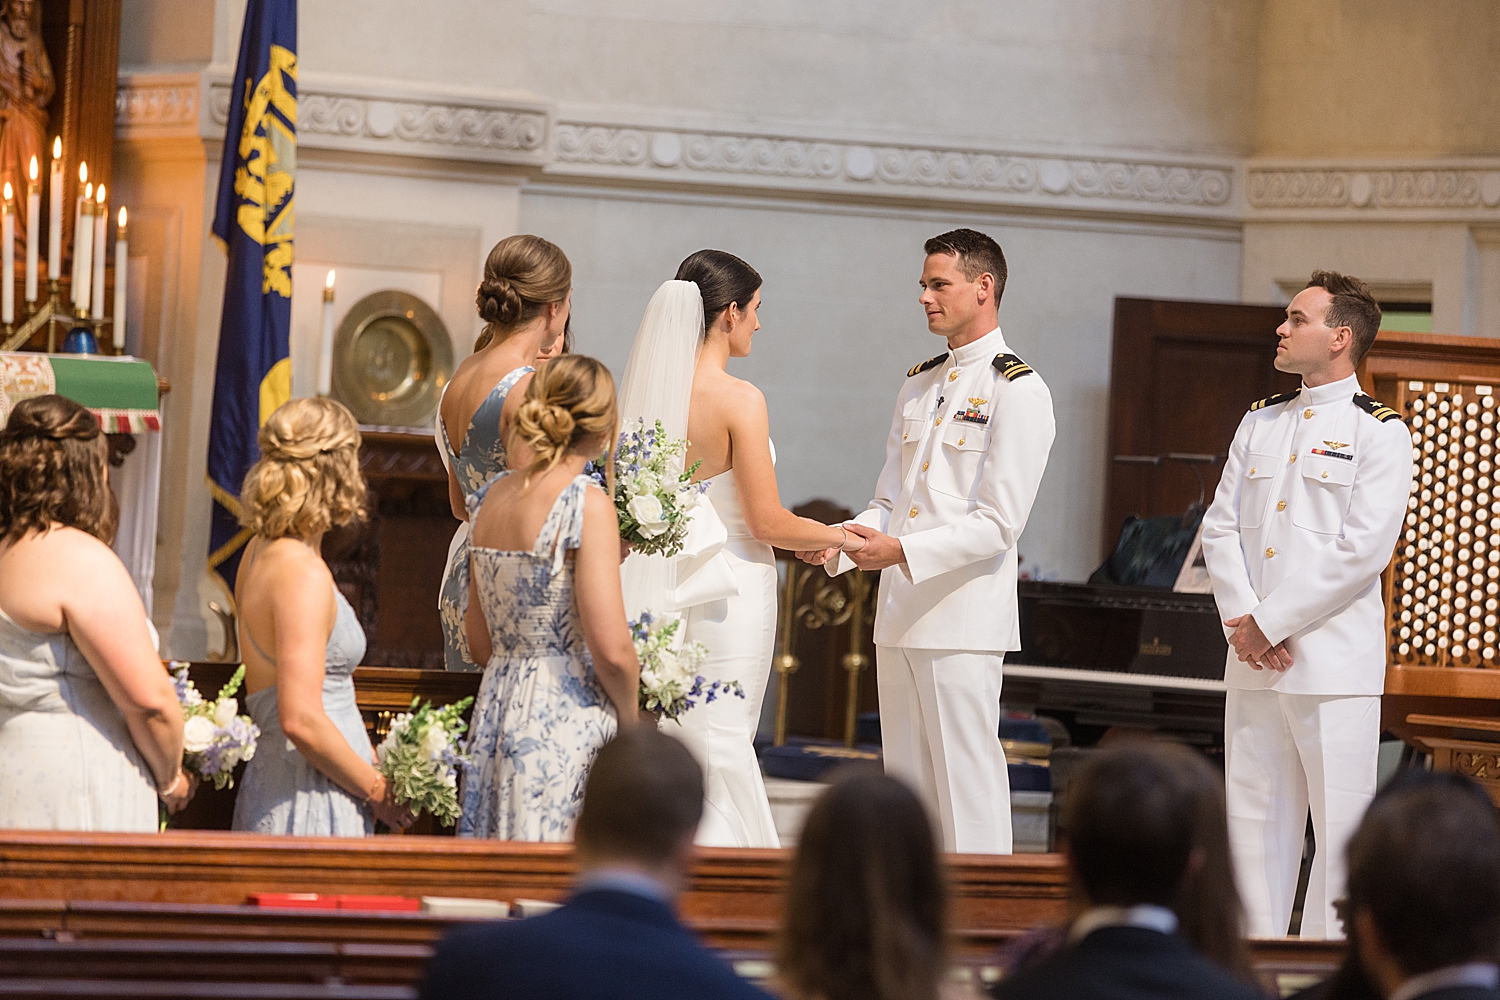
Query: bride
x=723, y=584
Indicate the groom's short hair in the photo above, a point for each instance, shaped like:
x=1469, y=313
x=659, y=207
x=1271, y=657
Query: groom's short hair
x=976, y=253
x=643, y=797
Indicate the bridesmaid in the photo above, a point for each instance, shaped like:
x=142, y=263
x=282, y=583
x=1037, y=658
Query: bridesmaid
x=90, y=728
x=312, y=773
x=546, y=614
x=524, y=302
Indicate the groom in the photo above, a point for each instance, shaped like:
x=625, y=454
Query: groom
x=965, y=455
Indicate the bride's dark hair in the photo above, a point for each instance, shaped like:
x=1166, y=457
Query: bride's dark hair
x=722, y=279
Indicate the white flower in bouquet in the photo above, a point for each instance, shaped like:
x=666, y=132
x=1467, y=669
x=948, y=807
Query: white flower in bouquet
x=654, y=494
x=198, y=734
x=216, y=738
x=670, y=683
x=421, y=759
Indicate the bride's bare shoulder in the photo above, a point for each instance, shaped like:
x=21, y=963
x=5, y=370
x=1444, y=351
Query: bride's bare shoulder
x=729, y=392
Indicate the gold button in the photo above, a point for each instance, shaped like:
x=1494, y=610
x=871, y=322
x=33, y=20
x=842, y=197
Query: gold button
x=903, y=437
x=1325, y=475
x=1293, y=458
x=1307, y=413
x=924, y=466
x=952, y=376
x=1281, y=505
x=1252, y=470
x=914, y=512
x=960, y=440
x=938, y=421
x=1270, y=553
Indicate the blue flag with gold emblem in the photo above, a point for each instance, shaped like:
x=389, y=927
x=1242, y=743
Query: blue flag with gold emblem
x=254, y=219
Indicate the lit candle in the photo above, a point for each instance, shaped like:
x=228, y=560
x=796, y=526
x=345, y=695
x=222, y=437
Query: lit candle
x=83, y=256
x=8, y=258
x=54, y=214
x=325, y=347
x=33, y=231
x=85, y=192
x=101, y=225
x=122, y=264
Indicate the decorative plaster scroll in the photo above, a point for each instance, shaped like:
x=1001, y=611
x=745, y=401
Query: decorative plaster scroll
x=155, y=104
x=596, y=145
x=1381, y=188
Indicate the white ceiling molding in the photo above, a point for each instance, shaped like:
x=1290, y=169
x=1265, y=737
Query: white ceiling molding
x=1417, y=190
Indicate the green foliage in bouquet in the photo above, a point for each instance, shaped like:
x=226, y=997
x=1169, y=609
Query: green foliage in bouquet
x=421, y=759
x=654, y=494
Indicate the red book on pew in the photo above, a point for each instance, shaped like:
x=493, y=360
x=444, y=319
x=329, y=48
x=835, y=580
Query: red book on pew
x=294, y=900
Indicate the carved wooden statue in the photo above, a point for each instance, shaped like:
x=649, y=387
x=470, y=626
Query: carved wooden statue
x=26, y=87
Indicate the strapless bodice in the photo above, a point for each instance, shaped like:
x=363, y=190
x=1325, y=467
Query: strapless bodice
x=724, y=493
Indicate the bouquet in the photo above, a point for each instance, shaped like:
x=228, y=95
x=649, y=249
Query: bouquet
x=670, y=682
x=215, y=736
x=421, y=759
x=654, y=494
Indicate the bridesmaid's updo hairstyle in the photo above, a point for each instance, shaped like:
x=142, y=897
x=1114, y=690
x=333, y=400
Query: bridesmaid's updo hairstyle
x=722, y=279
x=522, y=275
x=52, y=471
x=569, y=404
x=308, y=478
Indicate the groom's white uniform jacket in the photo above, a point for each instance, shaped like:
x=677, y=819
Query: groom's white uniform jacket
x=965, y=455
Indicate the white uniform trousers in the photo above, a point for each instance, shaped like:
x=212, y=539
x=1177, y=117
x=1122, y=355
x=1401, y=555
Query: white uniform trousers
x=1284, y=753
x=940, y=733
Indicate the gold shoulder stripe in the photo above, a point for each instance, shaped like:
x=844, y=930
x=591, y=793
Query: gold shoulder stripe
x=930, y=363
x=1375, y=408
x=1280, y=397
x=1011, y=367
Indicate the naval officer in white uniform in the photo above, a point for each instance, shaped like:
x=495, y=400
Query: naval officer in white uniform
x=1304, y=521
x=965, y=455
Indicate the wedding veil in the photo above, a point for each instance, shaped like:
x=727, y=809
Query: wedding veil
x=658, y=384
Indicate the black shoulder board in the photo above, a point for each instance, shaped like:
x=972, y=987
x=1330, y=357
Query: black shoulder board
x=1280, y=397
x=1011, y=366
x=924, y=366
x=1375, y=408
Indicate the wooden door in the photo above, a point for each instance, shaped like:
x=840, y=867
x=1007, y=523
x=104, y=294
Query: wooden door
x=1181, y=377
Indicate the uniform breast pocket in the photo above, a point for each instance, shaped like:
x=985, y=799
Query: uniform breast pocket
x=1327, y=484
x=957, y=464
x=1255, y=488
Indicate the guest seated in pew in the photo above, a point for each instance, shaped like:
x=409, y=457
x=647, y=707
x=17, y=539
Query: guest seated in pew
x=866, y=907
x=90, y=727
x=1423, y=906
x=1148, y=854
x=617, y=937
x=312, y=773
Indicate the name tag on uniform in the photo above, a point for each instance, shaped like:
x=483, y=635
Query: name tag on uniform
x=972, y=414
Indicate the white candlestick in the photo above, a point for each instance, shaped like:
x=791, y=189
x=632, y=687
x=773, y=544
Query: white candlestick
x=101, y=224
x=85, y=193
x=54, y=214
x=325, y=344
x=83, y=259
x=8, y=258
x=33, y=231
x=122, y=267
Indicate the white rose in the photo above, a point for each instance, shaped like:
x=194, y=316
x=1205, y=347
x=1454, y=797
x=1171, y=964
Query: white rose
x=225, y=711
x=648, y=513
x=435, y=742
x=197, y=734
x=650, y=482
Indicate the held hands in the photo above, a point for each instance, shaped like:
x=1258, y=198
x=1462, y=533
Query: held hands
x=1252, y=647
x=179, y=793
x=879, y=550
x=382, y=802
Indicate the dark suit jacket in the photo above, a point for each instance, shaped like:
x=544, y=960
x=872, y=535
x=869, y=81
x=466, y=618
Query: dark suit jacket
x=1125, y=963
x=1462, y=993
x=603, y=943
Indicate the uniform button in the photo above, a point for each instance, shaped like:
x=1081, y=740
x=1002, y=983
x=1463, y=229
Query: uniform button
x=1281, y=505
x=1252, y=470
x=1293, y=458
x=1325, y=475
x=952, y=376
x=914, y=512
x=1307, y=413
x=938, y=421
x=1270, y=553
x=925, y=465
x=960, y=441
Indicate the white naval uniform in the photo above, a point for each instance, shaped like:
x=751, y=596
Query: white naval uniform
x=963, y=461
x=1303, y=522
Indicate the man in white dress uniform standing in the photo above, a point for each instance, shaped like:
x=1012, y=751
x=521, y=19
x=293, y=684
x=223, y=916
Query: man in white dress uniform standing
x=1304, y=520
x=965, y=455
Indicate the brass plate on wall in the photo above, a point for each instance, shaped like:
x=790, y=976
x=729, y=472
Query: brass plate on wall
x=391, y=359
